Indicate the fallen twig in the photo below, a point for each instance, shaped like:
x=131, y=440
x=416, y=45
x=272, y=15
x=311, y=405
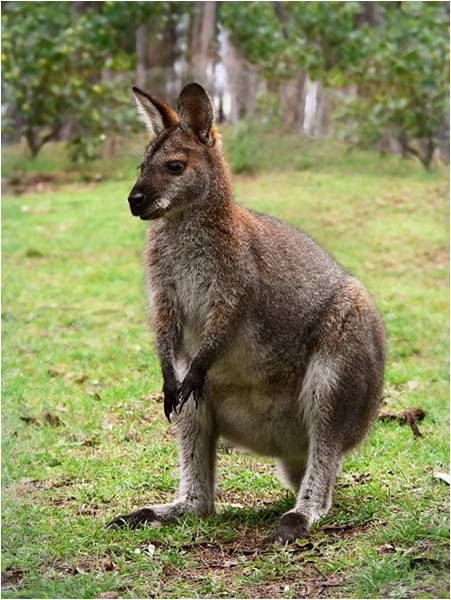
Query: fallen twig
x=408, y=415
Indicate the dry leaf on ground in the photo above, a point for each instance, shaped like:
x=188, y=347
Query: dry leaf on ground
x=444, y=477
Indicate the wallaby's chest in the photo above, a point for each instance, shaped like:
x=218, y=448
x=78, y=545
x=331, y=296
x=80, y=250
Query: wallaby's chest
x=185, y=272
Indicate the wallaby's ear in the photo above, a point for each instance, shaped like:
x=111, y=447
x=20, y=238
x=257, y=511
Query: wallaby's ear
x=196, y=111
x=156, y=114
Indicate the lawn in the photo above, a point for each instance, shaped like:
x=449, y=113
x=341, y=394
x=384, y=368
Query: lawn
x=85, y=438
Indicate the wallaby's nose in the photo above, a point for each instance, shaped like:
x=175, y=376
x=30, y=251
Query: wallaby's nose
x=136, y=199
x=137, y=202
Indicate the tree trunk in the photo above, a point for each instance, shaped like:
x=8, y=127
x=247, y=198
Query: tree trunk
x=322, y=117
x=35, y=142
x=243, y=82
x=169, y=54
x=159, y=56
x=203, y=34
x=32, y=143
x=424, y=153
x=370, y=14
x=141, y=55
x=293, y=102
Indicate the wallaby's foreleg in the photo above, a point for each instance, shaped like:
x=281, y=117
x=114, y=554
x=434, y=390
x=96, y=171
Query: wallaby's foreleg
x=217, y=332
x=167, y=329
x=197, y=456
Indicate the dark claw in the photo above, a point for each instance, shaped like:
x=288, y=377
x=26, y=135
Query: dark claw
x=134, y=519
x=192, y=384
x=183, y=395
x=167, y=410
x=170, y=402
x=198, y=396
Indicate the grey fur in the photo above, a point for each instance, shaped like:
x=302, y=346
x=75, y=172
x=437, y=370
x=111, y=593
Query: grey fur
x=284, y=348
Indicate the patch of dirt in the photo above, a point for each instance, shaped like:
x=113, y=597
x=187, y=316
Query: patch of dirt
x=83, y=564
x=62, y=500
x=12, y=577
x=88, y=510
x=438, y=256
x=47, y=418
x=58, y=567
x=230, y=560
x=29, y=419
x=27, y=485
x=306, y=582
x=246, y=499
x=215, y=553
x=20, y=183
x=154, y=397
x=51, y=419
x=304, y=587
x=351, y=479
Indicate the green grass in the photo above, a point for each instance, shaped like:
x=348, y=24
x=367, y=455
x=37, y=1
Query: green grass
x=76, y=344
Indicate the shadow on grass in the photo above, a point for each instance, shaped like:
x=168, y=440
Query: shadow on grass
x=225, y=522
x=253, y=514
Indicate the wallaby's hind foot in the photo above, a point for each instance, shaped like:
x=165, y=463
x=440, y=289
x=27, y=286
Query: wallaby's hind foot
x=133, y=520
x=159, y=514
x=292, y=526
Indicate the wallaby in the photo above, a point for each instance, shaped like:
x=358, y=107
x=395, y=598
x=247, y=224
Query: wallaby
x=263, y=337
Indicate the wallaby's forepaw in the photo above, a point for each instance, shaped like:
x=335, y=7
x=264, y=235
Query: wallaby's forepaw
x=192, y=384
x=170, y=400
x=291, y=526
x=134, y=519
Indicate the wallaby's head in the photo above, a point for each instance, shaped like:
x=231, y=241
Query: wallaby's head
x=178, y=164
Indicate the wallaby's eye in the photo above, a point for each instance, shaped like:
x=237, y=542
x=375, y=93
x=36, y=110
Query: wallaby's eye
x=175, y=167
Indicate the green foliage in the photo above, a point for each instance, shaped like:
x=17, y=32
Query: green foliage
x=321, y=37
x=244, y=148
x=403, y=80
x=399, y=62
x=54, y=56
x=71, y=63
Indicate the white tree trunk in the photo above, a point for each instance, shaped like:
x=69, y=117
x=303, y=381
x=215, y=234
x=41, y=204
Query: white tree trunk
x=202, y=42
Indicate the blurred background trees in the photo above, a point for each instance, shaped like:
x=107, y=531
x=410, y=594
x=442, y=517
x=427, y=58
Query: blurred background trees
x=373, y=73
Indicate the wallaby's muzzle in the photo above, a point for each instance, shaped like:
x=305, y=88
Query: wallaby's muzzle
x=140, y=204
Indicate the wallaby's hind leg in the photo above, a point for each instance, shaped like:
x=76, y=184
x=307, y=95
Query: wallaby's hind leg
x=337, y=405
x=341, y=391
x=315, y=492
x=337, y=411
x=197, y=453
x=320, y=390
x=292, y=471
